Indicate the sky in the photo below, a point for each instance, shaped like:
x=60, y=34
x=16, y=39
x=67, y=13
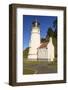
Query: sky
x=45, y=23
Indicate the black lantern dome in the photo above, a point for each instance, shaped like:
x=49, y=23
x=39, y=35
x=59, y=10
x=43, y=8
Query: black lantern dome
x=35, y=23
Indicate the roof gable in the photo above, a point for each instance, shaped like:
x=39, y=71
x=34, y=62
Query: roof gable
x=43, y=45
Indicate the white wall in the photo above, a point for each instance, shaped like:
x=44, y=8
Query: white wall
x=4, y=47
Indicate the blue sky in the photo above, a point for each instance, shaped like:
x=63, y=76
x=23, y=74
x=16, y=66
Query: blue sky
x=45, y=23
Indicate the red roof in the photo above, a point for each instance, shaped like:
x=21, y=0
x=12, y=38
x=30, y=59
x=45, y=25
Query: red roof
x=43, y=45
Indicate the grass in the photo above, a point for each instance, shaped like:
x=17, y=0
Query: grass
x=28, y=71
x=33, y=62
x=26, y=61
x=52, y=63
x=30, y=67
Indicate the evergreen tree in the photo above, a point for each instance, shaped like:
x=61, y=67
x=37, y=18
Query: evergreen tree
x=50, y=32
x=55, y=27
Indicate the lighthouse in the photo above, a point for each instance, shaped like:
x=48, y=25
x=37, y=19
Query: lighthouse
x=34, y=42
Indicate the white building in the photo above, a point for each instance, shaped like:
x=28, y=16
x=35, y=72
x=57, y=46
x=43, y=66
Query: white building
x=46, y=51
x=42, y=52
x=38, y=50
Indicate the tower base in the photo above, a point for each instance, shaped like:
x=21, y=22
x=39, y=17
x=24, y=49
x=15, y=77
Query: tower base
x=32, y=57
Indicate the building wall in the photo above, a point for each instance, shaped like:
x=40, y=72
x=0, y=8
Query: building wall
x=47, y=53
x=43, y=54
x=50, y=47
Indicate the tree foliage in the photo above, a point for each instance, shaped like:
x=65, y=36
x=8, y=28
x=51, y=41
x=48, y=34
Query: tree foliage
x=53, y=33
x=25, y=52
x=55, y=27
x=50, y=32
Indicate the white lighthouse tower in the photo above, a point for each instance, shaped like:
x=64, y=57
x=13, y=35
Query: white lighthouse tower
x=34, y=41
